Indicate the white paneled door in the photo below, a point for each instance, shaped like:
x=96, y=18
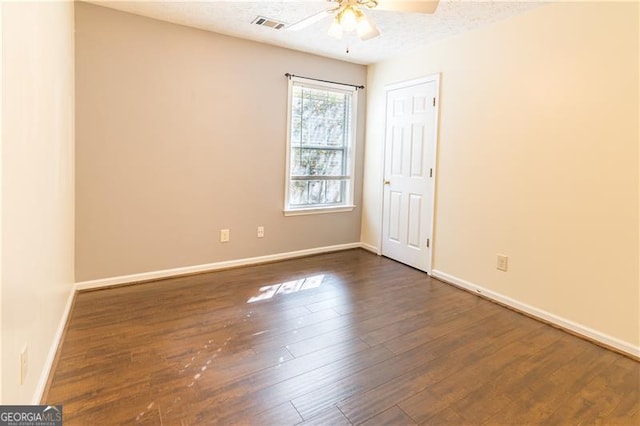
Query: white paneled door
x=409, y=172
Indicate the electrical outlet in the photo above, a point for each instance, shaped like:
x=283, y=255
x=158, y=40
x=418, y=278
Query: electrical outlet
x=224, y=235
x=502, y=262
x=24, y=364
x=260, y=231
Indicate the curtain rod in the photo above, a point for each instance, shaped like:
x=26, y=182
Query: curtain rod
x=288, y=75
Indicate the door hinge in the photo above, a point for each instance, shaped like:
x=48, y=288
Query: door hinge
x=430, y=172
x=434, y=101
x=428, y=242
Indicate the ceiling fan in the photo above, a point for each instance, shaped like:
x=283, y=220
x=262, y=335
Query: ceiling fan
x=349, y=17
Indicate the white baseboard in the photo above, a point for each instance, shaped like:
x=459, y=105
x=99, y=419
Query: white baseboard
x=564, y=323
x=369, y=247
x=209, y=267
x=53, y=349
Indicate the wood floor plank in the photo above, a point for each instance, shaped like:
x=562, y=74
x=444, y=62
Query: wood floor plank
x=365, y=405
x=594, y=399
x=449, y=306
x=283, y=414
x=338, y=326
x=433, y=330
x=322, y=341
x=391, y=416
x=370, y=341
x=431, y=375
x=424, y=406
x=237, y=408
x=331, y=416
x=334, y=358
x=446, y=416
x=451, y=384
x=319, y=398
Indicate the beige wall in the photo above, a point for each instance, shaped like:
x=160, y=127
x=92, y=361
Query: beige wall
x=538, y=159
x=37, y=187
x=1, y=138
x=181, y=133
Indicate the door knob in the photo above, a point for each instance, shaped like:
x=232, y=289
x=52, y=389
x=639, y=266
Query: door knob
x=387, y=182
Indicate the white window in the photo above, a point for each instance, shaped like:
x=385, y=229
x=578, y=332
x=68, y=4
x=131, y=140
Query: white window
x=320, y=147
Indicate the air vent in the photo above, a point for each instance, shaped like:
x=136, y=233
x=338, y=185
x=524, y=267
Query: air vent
x=266, y=22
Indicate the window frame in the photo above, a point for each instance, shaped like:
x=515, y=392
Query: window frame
x=348, y=204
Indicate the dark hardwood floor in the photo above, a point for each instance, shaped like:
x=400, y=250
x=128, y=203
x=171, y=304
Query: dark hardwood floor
x=341, y=338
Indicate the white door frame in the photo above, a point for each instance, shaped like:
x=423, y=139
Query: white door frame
x=400, y=85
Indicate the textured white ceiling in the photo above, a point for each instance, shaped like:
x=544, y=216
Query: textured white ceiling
x=401, y=32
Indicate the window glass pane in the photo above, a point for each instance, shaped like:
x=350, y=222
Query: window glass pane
x=334, y=191
x=317, y=162
x=298, y=192
x=320, y=117
x=296, y=116
x=316, y=192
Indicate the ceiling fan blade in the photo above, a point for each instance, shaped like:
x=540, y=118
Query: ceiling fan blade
x=417, y=6
x=309, y=20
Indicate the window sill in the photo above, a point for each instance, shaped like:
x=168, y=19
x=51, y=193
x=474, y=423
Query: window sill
x=318, y=210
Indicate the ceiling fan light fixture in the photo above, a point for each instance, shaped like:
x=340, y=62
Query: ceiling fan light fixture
x=335, y=29
x=350, y=19
x=366, y=29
